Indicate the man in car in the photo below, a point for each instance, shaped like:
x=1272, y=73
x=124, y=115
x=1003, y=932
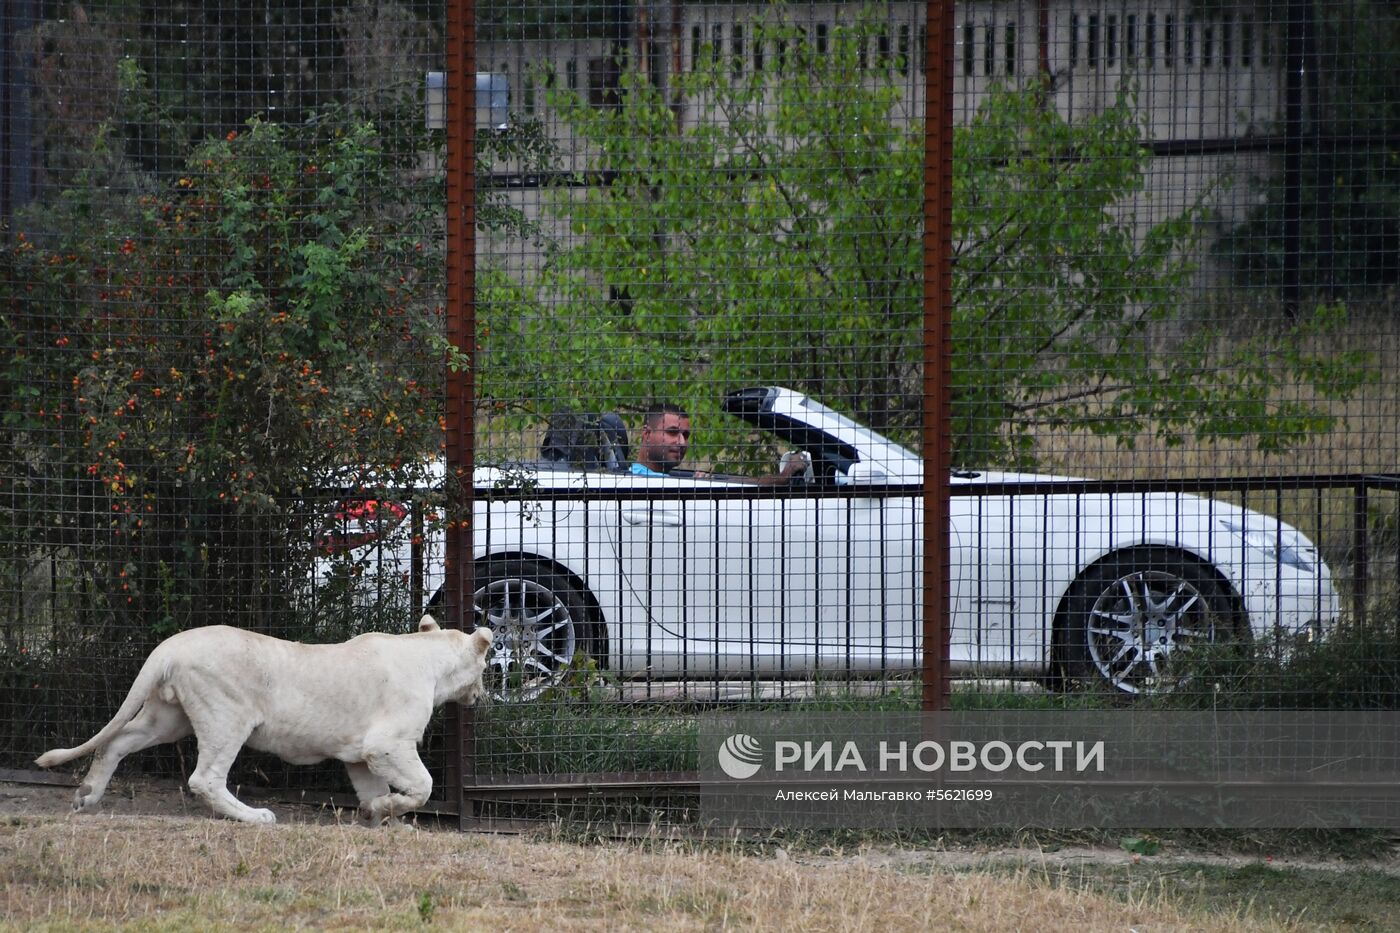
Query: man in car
x=666, y=438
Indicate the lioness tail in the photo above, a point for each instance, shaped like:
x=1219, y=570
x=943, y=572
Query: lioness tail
x=151, y=674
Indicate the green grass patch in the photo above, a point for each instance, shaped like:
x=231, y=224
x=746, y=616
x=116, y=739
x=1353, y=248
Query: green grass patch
x=1343, y=898
x=1356, y=667
x=560, y=737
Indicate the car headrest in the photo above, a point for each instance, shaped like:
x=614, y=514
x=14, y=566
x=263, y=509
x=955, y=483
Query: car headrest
x=587, y=441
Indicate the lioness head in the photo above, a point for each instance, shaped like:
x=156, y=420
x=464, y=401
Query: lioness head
x=475, y=651
x=479, y=647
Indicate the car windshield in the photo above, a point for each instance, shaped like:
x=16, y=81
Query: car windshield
x=854, y=432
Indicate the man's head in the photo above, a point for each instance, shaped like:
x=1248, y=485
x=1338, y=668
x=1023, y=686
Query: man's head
x=665, y=438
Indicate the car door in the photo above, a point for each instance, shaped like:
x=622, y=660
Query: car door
x=874, y=556
x=717, y=575
x=662, y=541
x=998, y=552
x=746, y=582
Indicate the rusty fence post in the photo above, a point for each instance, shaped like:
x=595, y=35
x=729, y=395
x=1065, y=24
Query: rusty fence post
x=460, y=383
x=937, y=347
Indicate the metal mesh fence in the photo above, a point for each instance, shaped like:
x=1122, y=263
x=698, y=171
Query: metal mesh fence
x=223, y=323
x=627, y=355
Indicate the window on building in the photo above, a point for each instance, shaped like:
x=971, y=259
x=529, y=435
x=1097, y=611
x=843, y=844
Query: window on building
x=1227, y=36
x=823, y=40
x=716, y=43
x=1110, y=40
x=1149, y=42
x=736, y=50
x=604, y=78
x=1207, y=44
x=1010, y=48
x=697, y=38
x=1168, y=41
x=1092, y=53
x=1188, y=41
x=903, y=49
x=989, y=48
x=1247, y=42
x=1130, y=40
x=1074, y=40
x=968, y=37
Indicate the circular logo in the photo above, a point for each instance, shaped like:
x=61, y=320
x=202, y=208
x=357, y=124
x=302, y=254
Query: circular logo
x=740, y=756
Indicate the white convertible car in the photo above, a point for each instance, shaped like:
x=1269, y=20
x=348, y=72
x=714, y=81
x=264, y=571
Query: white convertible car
x=685, y=578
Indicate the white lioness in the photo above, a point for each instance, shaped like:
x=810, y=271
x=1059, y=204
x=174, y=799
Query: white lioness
x=365, y=702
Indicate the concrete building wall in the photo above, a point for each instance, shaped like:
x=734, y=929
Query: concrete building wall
x=1203, y=83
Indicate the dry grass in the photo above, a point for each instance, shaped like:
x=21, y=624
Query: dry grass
x=179, y=873
x=1366, y=438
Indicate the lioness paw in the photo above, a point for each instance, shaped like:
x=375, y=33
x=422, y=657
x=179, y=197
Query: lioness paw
x=84, y=798
x=261, y=816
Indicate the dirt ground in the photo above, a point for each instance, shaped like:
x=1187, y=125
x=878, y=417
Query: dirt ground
x=165, y=798
x=143, y=797
x=151, y=857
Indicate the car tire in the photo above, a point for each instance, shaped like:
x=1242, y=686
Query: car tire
x=541, y=625
x=1127, y=615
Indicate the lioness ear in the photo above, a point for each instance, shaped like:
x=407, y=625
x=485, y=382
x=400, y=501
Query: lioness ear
x=481, y=639
x=427, y=624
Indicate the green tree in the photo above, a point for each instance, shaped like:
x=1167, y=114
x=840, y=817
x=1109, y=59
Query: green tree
x=205, y=365
x=185, y=382
x=779, y=243
x=777, y=238
x=1064, y=310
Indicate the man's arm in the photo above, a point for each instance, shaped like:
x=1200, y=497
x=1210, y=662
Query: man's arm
x=795, y=464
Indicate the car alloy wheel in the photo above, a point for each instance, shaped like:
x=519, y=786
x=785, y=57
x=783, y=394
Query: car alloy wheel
x=1131, y=617
x=538, y=621
x=1138, y=622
